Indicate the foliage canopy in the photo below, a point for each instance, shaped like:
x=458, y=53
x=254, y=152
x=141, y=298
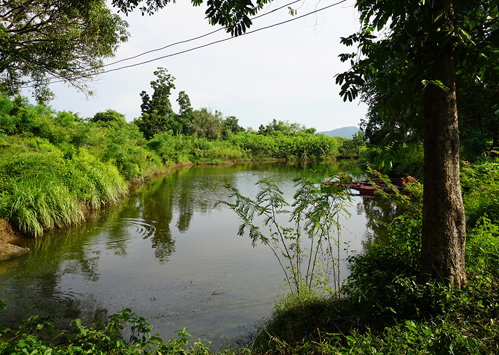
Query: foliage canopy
x=47, y=40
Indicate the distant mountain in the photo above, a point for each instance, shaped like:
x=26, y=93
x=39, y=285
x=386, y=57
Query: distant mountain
x=346, y=132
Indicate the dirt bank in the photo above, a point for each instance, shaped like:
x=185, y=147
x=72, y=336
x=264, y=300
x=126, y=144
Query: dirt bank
x=7, y=240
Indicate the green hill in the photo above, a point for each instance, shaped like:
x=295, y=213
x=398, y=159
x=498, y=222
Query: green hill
x=346, y=132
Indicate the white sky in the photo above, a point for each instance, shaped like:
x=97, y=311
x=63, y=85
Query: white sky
x=285, y=72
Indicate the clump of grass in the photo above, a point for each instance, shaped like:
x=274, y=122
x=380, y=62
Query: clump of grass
x=37, y=204
x=295, y=318
x=99, y=184
x=217, y=151
x=45, y=191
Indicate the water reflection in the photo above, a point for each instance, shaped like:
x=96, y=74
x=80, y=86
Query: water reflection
x=164, y=252
x=378, y=212
x=34, y=287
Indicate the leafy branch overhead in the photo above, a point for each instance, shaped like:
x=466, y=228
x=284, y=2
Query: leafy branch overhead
x=392, y=46
x=233, y=14
x=43, y=41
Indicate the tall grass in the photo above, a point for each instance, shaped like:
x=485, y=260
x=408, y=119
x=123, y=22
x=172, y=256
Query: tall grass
x=42, y=191
x=37, y=204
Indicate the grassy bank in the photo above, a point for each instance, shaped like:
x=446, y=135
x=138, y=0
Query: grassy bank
x=56, y=166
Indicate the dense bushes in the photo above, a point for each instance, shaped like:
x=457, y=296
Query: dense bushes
x=404, y=160
x=37, y=336
x=480, y=186
x=385, y=310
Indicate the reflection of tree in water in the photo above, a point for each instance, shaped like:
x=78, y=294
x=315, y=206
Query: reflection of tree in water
x=156, y=208
x=377, y=211
x=185, y=205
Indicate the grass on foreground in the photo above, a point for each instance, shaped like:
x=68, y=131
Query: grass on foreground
x=382, y=310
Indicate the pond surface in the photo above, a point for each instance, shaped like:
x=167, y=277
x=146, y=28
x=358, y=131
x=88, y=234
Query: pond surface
x=172, y=257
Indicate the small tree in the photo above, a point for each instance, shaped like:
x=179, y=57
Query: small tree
x=318, y=204
x=185, y=114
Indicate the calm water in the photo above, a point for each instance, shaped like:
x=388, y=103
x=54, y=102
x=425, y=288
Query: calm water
x=168, y=254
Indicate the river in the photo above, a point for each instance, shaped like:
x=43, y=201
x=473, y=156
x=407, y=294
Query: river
x=172, y=257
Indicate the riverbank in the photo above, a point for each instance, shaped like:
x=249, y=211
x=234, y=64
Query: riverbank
x=9, y=236
x=56, y=166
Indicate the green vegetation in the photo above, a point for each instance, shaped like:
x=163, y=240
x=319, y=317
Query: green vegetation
x=385, y=309
x=56, y=166
x=37, y=336
x=480, y=184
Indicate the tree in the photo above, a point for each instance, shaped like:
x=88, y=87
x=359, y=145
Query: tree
x=230, y=126
x=206, y=124
x=478, y=121
x=275, y=127
x=109, y=116
x=417, y=53
x=384, y=126
x=157, y=112
x=185, y=114
x=45, y=40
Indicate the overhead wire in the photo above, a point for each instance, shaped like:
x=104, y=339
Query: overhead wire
x=194, y=38
x=197, y=47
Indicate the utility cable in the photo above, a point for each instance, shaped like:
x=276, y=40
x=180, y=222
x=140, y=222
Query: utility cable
x=198, y=47
x=194, y=38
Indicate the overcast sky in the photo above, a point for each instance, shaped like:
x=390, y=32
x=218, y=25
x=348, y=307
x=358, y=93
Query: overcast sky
x=285, y=72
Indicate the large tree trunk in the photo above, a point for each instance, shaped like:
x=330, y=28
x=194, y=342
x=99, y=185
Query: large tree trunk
x=444, y=225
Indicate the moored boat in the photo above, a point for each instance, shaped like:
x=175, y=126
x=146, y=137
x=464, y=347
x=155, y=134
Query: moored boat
x=373, y=187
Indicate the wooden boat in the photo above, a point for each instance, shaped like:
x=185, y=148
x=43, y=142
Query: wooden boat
x=365, y=188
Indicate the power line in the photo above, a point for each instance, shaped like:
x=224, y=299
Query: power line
x=194, y=38
x=53, y=79
x=198, y=47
